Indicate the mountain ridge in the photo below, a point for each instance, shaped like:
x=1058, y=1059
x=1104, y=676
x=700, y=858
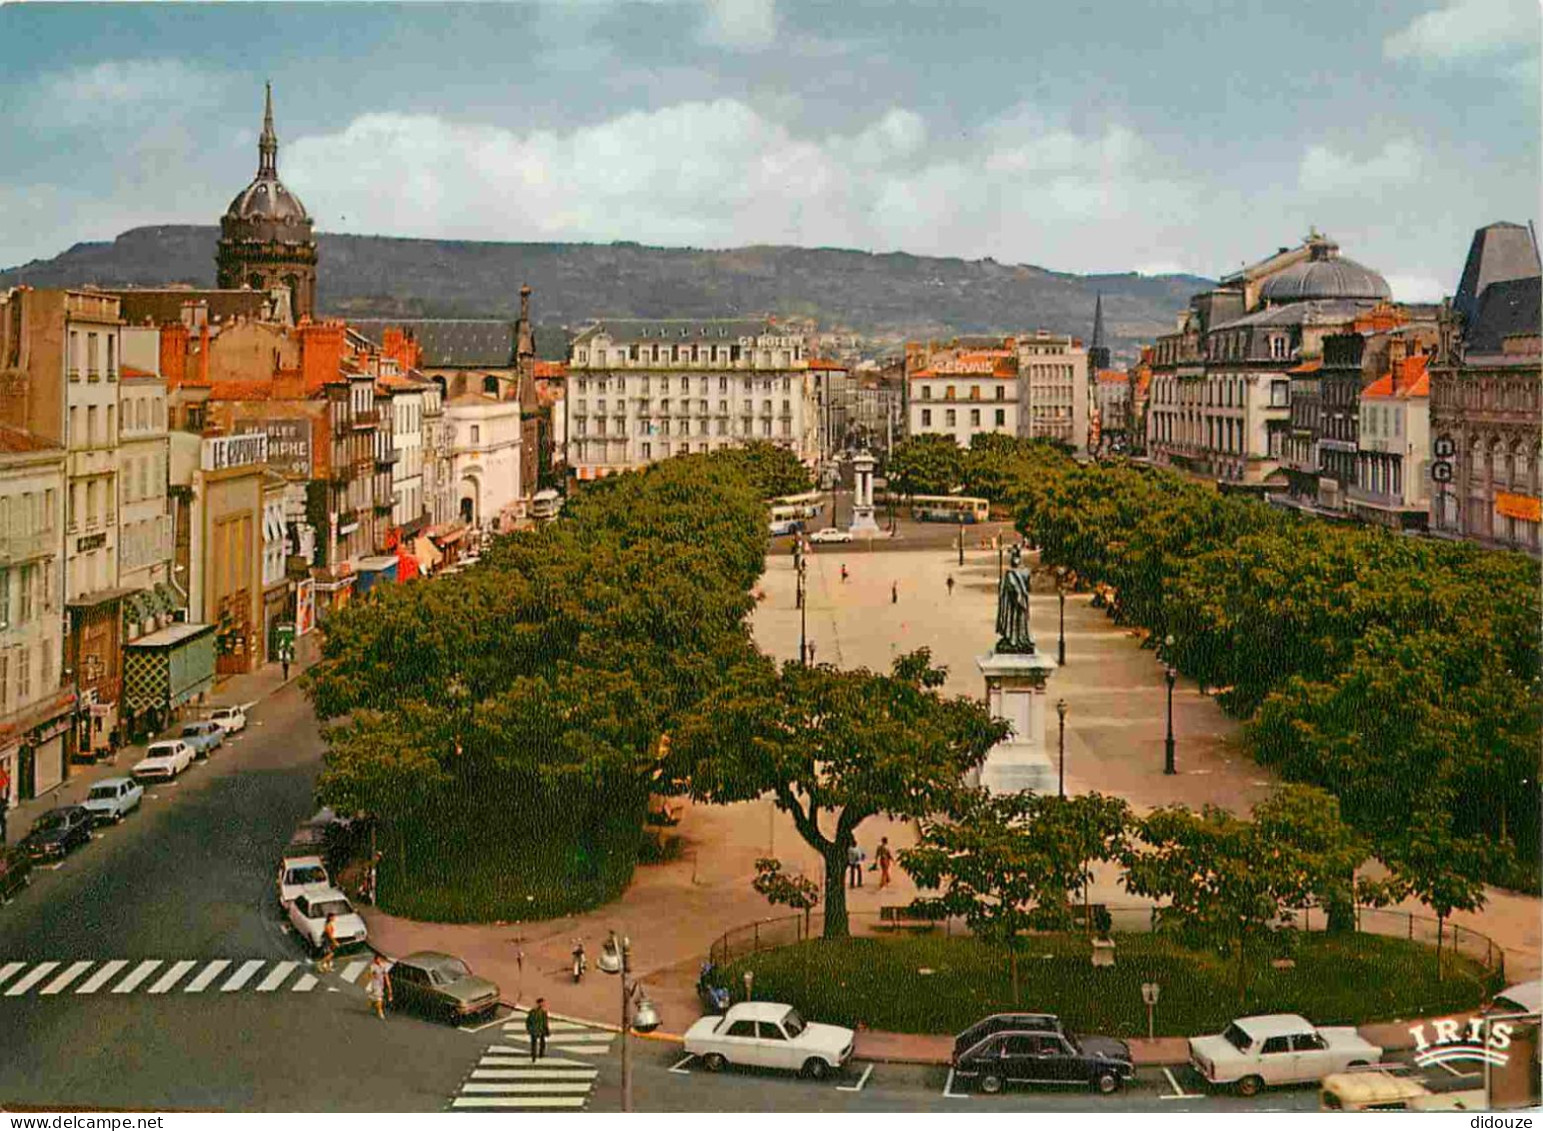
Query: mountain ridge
x=886, y=297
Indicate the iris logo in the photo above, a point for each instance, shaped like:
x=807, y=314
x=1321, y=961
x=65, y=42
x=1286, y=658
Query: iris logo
x=1451, y=1041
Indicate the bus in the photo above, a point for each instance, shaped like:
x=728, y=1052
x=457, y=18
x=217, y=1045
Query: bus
x=949, y=508
x=811, y=504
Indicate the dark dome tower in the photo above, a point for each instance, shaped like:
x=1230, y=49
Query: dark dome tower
x=265, y=234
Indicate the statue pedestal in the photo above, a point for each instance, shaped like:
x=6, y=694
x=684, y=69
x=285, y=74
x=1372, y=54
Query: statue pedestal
x=1015, y=692
x=863, y=525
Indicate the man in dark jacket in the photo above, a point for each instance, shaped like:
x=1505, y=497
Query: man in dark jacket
x=538, y=1026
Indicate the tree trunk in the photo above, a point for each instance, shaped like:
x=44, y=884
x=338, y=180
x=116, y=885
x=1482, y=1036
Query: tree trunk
x=836, y=892
x=1440, y=925
x=1012, y=962
x=1242, y=971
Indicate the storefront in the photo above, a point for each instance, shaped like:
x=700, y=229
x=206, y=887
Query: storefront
x=276, y=611
x=166, y=670
x=94, y=656
x=34, y=748
x=373, y=571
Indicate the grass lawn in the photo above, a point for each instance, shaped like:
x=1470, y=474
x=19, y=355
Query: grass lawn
x=1337, y=979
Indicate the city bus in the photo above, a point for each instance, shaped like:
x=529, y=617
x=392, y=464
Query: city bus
x=811, y=504
x=949, y=508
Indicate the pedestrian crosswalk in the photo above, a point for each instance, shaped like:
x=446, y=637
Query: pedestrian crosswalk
x=159, y=976
x=506, y=1077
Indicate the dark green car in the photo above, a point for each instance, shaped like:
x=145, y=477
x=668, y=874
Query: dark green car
x=441, y=986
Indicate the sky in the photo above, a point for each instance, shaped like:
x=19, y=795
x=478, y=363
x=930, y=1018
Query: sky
x=1159, y=136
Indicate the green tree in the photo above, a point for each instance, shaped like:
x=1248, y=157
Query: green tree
x=925, y=465
x=833, y=748
x=1006, y=863
x=1443, y=871
x=1232, y=877
x=783, y=889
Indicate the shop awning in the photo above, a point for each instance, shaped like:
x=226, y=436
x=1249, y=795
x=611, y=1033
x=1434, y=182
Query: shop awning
x=447, y=535
x=427, y=553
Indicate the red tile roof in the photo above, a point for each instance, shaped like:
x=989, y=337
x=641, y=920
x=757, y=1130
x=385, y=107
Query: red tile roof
x=1407, y=379
x=132, y=371
x=1112, y=376
x=821, y=363
x=1308, y=366
x=551, y=369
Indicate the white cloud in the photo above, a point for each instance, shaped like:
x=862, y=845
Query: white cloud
x=1466, y=29
x=723, y=174
x=743, y=25
x=87, y=95
x=1417, y=288
x=1329, y=172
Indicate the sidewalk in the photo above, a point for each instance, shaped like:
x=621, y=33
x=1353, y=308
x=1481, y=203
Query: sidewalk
x=252, y=687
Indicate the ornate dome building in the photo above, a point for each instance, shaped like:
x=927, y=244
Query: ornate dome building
x=265, y=235
x=1324, y=275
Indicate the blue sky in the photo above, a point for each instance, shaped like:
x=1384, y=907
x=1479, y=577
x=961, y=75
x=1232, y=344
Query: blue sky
x=1155, y=136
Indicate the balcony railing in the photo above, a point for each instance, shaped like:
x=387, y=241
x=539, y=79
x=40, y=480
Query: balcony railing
x=368, y=418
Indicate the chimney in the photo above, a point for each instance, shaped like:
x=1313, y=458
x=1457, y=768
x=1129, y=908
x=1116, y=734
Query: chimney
x=203, y=354
x=174, y=354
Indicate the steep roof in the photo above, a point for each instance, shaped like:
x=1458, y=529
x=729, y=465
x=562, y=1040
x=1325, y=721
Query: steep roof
x=677, y=331
x=161, y=305
x=1407, y=378
x=1506, y=308
x=451, y=343
x=1498, y=252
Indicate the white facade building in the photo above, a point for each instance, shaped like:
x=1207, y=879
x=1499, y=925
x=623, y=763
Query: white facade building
x=1053, y=389
x=485, y=458
x=962, y=398
x=644, y=390
x=410, y=503
x=144, y=518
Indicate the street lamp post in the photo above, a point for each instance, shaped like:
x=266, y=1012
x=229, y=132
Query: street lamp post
x=617, y=953
x=961, y=543
x=1060, y=592
x=803, y=611
x=1170, y=674
x=1060, y=709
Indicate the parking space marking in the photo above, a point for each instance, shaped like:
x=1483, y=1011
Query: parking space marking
x=34, y=976
x=679, y=1067
x=867, y=1072
x=1178, y=1092
x=73, y=971
x=101, y=977
x=169, y=979
x=137, y=975
x=948, y=1089
x=208, y=974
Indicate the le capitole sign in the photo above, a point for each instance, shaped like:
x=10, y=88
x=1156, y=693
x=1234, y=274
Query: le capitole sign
x=222, y=452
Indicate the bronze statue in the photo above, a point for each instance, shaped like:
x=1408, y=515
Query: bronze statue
x=1013, y=633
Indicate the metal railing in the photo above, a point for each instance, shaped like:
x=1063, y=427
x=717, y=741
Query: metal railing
x=1130, y=919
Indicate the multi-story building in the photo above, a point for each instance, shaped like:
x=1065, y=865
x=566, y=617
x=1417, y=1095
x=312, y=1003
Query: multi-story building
x=1053, y=397
x=1220, y=404
x=36, y=712
x=964, y=390
x=1393, y=448
x=1139, y=382
x=403, y=398
x=640, y=390
x=1486, y=385
x=830, y=382
x=485, y=435
x=1112, y=392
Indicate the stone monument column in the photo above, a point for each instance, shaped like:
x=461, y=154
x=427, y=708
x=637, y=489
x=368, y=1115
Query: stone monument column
x=1016, y=674
x=862, y=495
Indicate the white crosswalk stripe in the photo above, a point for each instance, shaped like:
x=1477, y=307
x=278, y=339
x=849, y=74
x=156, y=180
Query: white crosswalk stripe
x=155, y=976
x=352, y=971
x=552, y=1083
x=31, y=978
x=169, y=979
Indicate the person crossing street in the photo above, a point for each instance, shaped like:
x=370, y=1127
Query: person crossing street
x=538, y=1027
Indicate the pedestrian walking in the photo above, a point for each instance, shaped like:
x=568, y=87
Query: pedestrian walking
x=843, y=571
x=537, y=1027
x=884, y=858
x=894, y=592
x=329, y=943
x=378, y=990
x=950, y=585
x=854, y=867
x=285, y=663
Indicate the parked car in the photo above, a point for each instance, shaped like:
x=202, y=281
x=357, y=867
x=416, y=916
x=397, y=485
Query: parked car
x=112, y=799
x=203, y=738
x=15, y=871
x=163, y=761
x=308, y=913
x=298, y=874
x=1001, y=1023
x=764, y=1034
x=231, y=720
x=441, y=986
x=830, y=534
x=57, y=831
x=1278, y=1048
x=1045, y=1055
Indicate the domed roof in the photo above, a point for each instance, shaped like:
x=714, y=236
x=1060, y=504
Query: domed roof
x=266, y=198
x=1324, y=275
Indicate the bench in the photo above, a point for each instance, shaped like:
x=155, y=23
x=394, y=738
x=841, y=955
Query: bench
x=900, y=918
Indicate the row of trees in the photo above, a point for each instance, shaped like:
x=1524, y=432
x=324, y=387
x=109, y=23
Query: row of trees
x=1401, y=674
x=1012, y=863
x=506, y=721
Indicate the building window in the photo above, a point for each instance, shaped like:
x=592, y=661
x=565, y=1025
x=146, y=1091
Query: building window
x=926, y=418
x=1001, y=392
x=1001, y=417
x=926, y=392
x=975, y=418
x=476, y=434
x=953, y=418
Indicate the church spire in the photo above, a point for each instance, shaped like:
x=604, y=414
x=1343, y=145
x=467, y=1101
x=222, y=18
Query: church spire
x=1098, y=348
x=268, y=143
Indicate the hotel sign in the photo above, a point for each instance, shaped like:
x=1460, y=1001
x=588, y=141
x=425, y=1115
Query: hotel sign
x=289, y=444
x=224, y=452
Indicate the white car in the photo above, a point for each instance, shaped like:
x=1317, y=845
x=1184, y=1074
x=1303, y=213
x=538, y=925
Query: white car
x=830, y=534
x=763, y=1034
x=230, y=719
x=308, y=913
x=163, y=761
x=111, y=799
x=298, y=874
x=1278, y=1048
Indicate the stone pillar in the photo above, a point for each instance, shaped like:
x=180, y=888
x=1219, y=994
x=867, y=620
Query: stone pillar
x=863, y=524
x=1015, y=692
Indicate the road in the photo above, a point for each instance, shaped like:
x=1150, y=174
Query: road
x=187, y=882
